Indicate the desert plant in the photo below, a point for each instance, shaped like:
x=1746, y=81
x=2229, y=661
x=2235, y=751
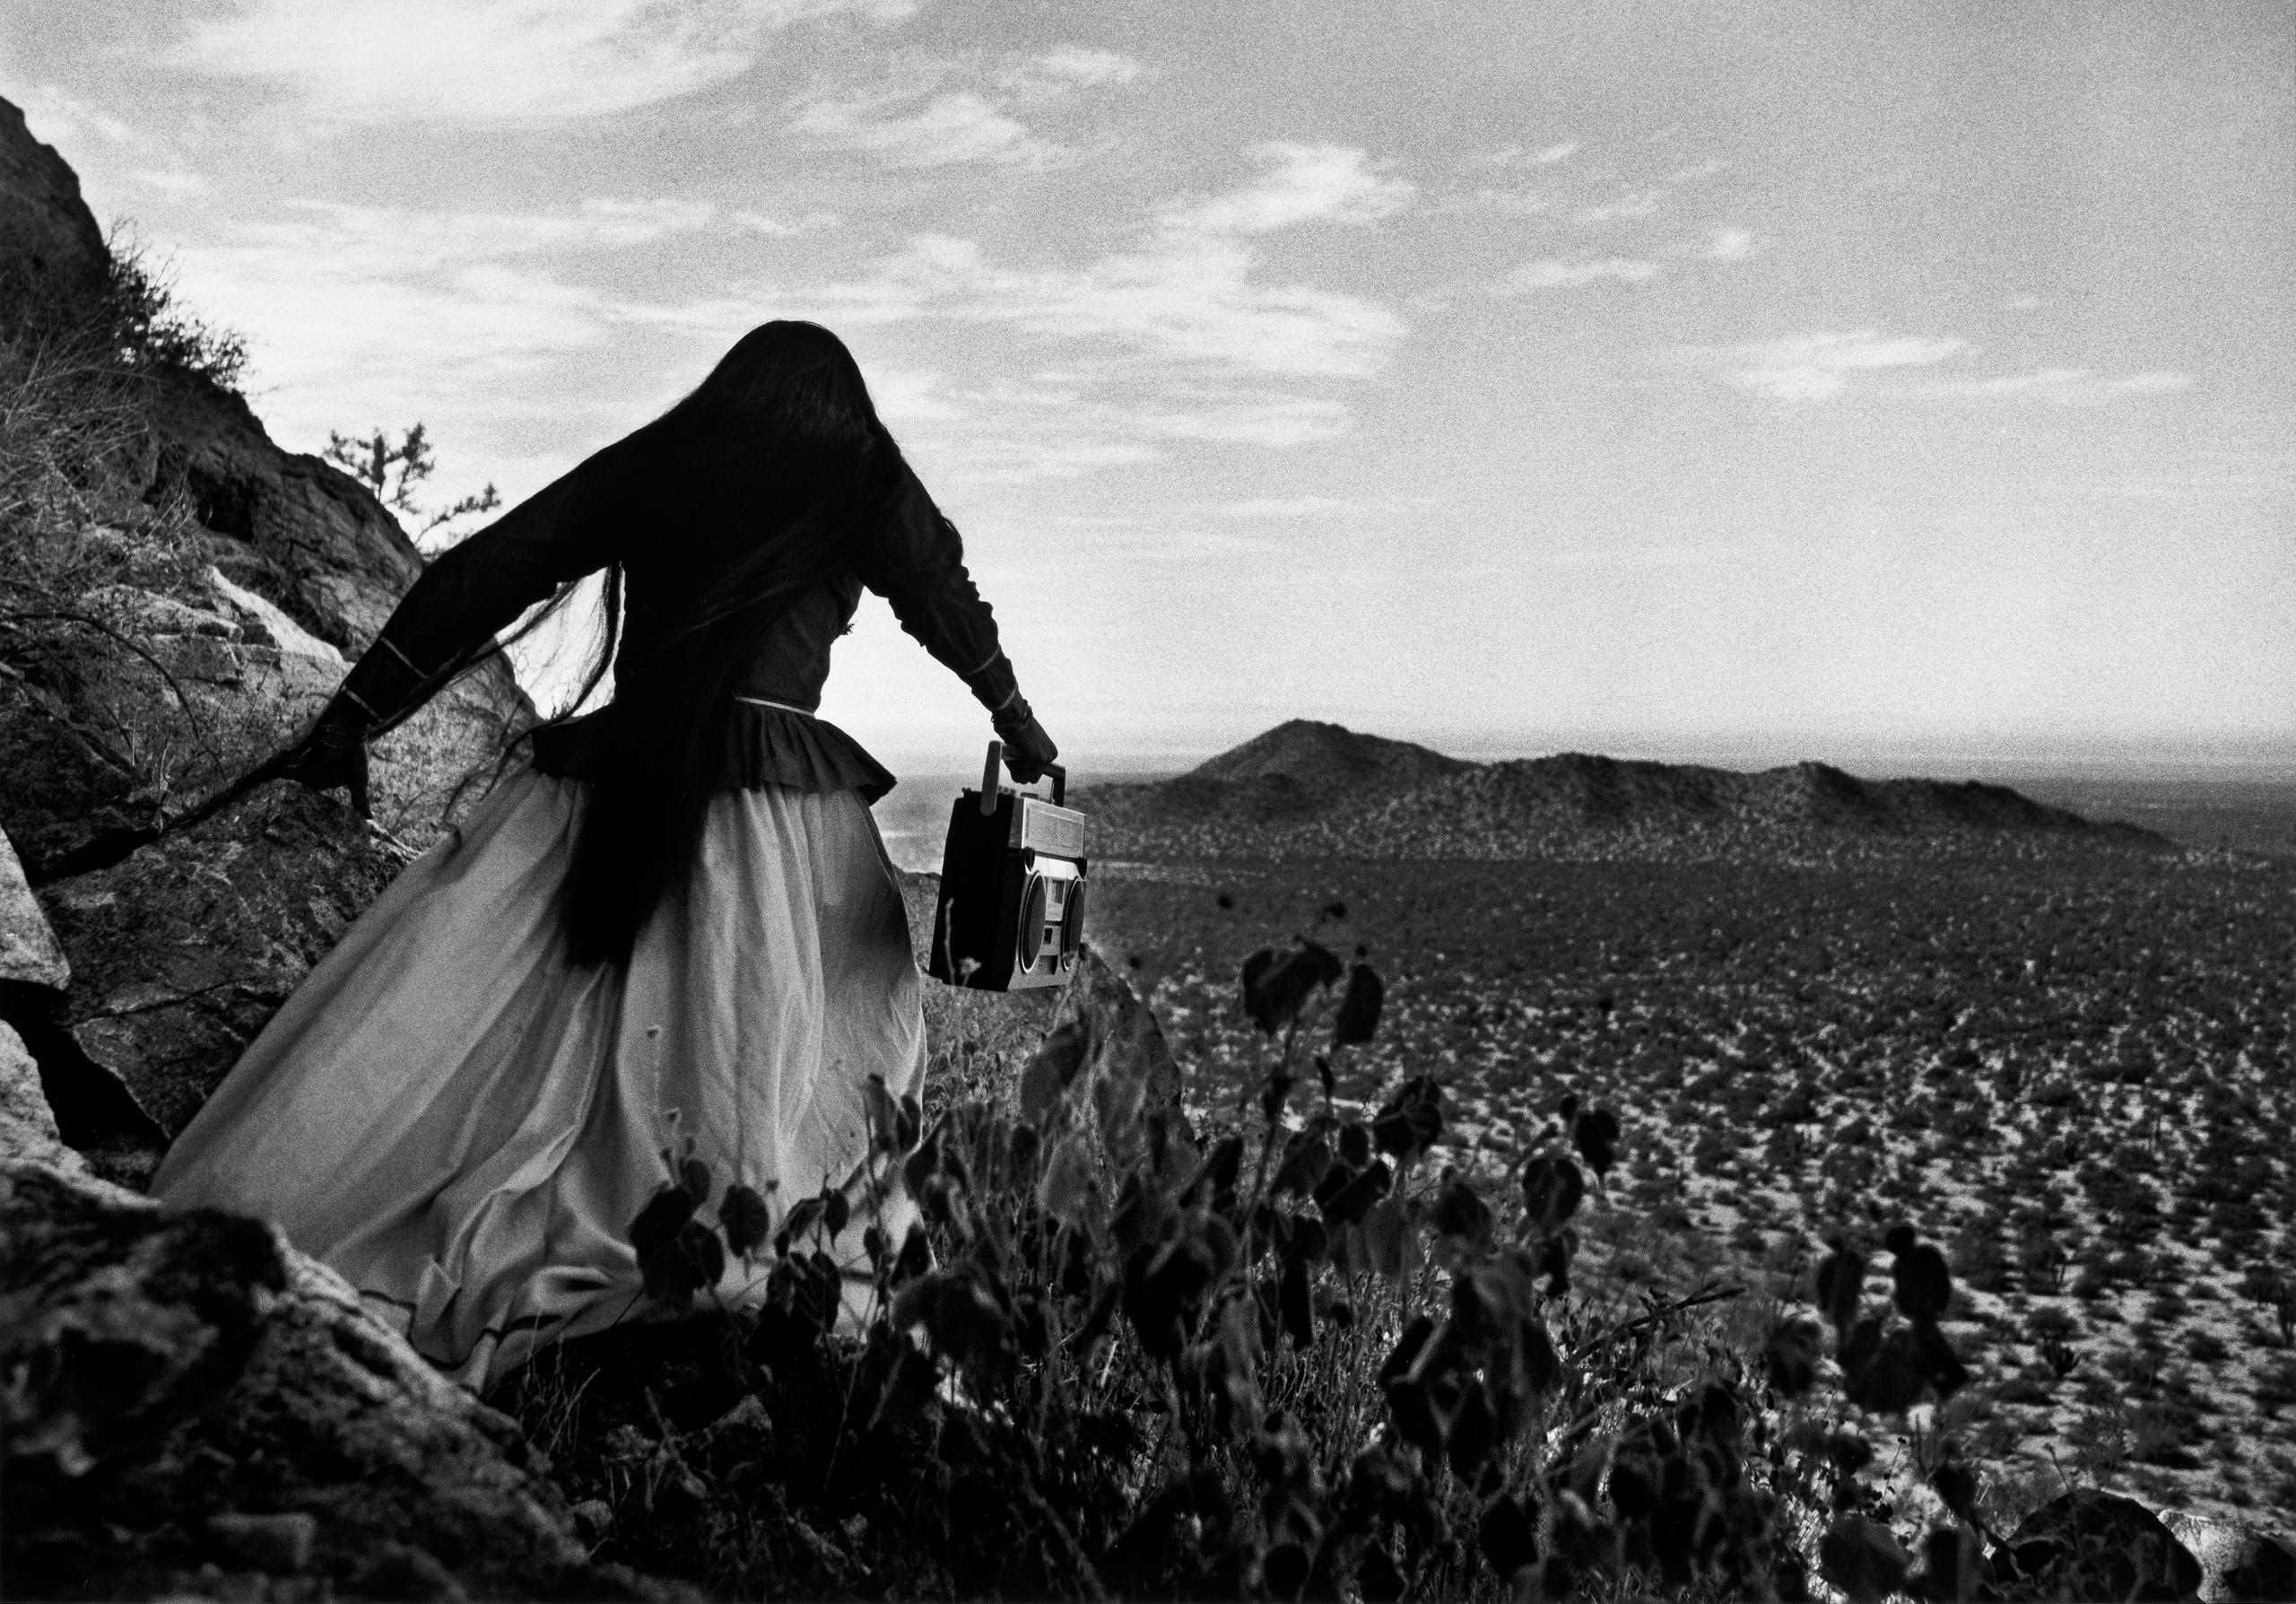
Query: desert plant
x=81, y=554
x=148, y=328
x=2273, y=1292
x=392, y=471
x=1288, y=1352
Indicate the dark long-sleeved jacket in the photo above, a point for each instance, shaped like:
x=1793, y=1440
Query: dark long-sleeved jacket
x=914, y=561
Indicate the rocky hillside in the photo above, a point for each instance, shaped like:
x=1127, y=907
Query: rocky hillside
x=188, y=1407
x=177, y=594
x=1306, y=789
x=197, y=588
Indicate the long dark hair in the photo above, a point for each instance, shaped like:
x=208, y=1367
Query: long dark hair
x=727, y=507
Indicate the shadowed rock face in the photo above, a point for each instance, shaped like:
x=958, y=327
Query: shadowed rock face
x=286, y=528
x=185, y=949
x=270, y=529
x=190, y=1407
x=231, y=582
x=43, y=221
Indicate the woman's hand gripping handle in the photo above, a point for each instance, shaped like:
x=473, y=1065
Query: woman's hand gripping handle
x=1027, y=747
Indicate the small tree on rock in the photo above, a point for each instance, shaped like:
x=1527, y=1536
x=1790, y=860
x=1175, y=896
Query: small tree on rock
x=392, y=472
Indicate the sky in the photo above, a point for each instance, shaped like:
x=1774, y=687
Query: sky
x=1908, y=386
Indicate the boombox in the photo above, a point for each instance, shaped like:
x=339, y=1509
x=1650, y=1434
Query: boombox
x=1012, y=911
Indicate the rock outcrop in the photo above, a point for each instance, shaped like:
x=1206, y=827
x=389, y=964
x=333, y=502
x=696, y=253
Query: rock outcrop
x=44, y=224
x=30, y=953
x=275, y=569
x=184, y=950
x=209, y=515
x=300, y=535
x=190, y=1407
x=28, y=1130
x=175, y=601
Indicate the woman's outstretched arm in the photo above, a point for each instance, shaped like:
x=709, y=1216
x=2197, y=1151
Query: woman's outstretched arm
x=918, y=564
x=467, y=595
x=452, y=611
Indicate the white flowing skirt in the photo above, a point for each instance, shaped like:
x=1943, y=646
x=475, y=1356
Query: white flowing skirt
x=465, y=1125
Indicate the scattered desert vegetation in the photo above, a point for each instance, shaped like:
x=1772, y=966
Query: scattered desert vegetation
x=1278, y=1350
x=1728, y=1231
x=2076, y=1075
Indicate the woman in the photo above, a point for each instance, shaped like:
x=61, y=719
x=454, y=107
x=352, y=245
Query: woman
x=676, y=922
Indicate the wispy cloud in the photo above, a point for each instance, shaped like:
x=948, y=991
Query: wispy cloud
x=1285, y=507
x=1818, y=367
x=436, y=316
x=400, y=242
x=1729, y=245
x=1192, y=295
x=168, y=182
x=807, y=223
x=944, y=130
x=1072, y=66
x=59, y=117
x=2061, y=386
x=1199, y=304
x=1526, y=156
x=490, y=61
x=1185, y=337
x=1516, y=161
x=1490, y=197
x=926, y=116
x=1533, y=277
x=1300, y=183
x=1640, y=203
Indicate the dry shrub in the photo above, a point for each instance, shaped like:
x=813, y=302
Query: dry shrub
x=1288, y=1354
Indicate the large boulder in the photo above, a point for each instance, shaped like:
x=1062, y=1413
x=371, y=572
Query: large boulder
x=30, y=953
x=28, y=1128
x=189, y=1407
x=2091, y=1544
x=2235, y=1562
x=182, y=951
x=76, y=1099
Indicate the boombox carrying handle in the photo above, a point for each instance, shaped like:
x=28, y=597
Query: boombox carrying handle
x=1058, y=772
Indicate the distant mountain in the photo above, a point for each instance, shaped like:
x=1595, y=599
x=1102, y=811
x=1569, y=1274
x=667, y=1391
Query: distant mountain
x=1329, y=758
x=1311, y=789
x=1298, y=771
